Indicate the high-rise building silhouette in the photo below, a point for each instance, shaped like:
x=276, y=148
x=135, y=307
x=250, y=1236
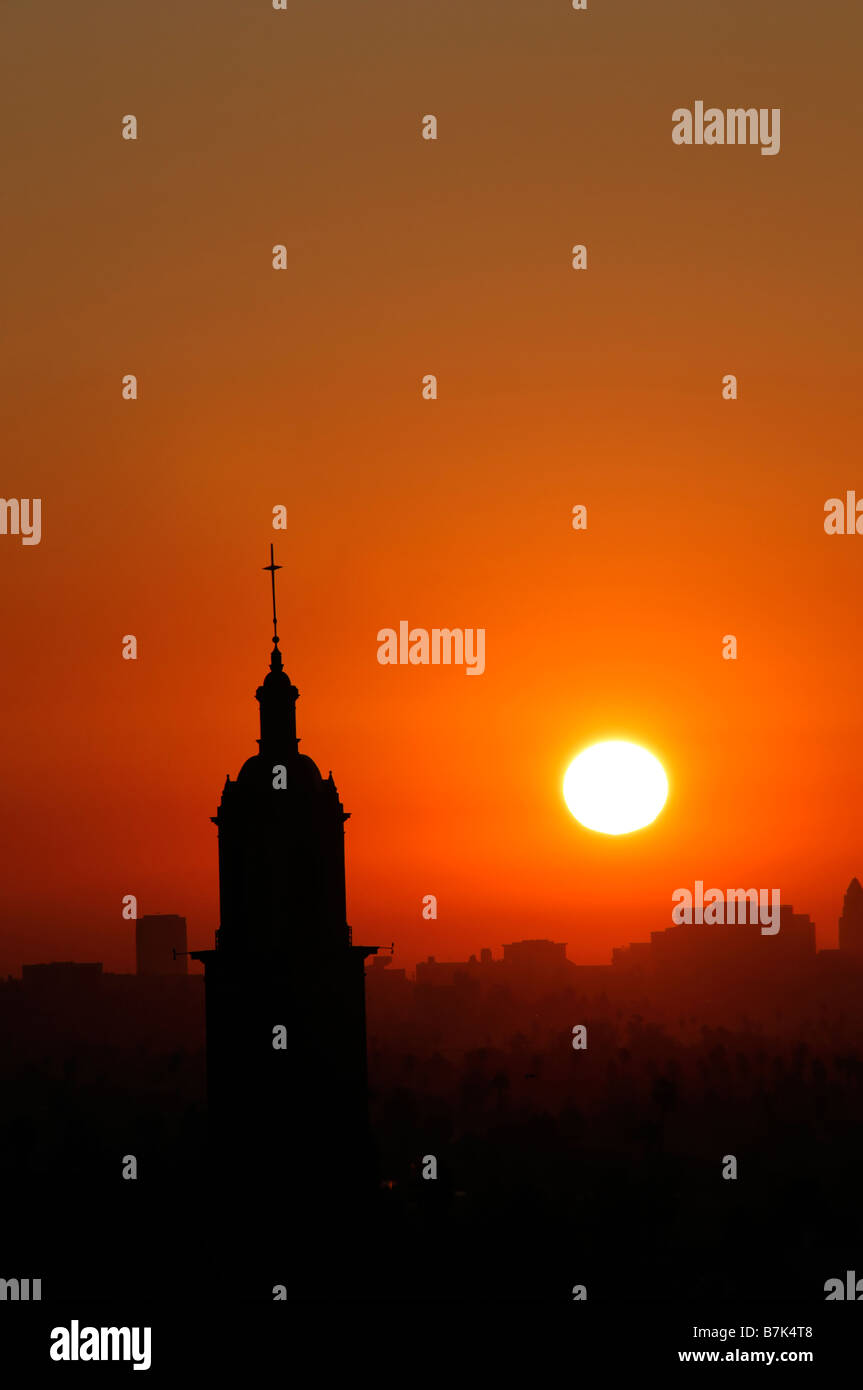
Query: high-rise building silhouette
x=285, y=986
x=851, y=921
x=160, y=945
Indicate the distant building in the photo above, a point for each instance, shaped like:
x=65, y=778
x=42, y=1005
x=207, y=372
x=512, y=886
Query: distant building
x=695, y=956
x=61, y=975
x=380, y=974
x=694, y=944
x=635, y=956
x=389, y=993
x=536, y=957
x=160, y=945
x=526, y=965
x=851, y=921
x=436, y=974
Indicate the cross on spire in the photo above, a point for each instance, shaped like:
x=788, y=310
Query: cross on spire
x=272, y=567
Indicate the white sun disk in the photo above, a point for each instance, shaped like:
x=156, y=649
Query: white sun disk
x=615, y=787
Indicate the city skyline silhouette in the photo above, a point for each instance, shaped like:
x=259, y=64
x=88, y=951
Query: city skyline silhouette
x=316, y=1100
x=431, y=879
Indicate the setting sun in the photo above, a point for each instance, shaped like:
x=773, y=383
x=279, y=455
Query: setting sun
x=615, y=787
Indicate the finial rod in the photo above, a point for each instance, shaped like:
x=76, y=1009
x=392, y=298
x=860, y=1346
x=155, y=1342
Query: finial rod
x=272, y=567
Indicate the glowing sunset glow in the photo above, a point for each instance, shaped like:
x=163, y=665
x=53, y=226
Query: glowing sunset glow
x=615, y=787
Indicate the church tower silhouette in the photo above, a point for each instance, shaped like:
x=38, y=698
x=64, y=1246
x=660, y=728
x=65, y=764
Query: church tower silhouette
x=285, y=986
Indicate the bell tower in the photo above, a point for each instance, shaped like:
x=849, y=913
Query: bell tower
x=285, y=986
x=281, y=835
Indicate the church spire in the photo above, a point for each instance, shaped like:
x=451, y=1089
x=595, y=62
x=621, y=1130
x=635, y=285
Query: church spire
x=277, y=697
x=276, y=655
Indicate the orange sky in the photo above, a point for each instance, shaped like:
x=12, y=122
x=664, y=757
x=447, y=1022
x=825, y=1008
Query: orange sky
x=257, y=388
